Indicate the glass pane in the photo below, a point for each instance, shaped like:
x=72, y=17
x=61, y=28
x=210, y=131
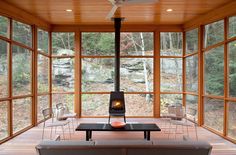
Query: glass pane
x=192, y=106
x=98, y=43
x=43, y=74
x=67, y=99
x=95, y=104
x=97, y=74
x=214, y=71
x=136, y=43
x=232, y=68
x=21, y=70
x=214, y=33
x=43, y=41
x=192, y=74
x=169, y=100
x=214, y=113
x=232, y=27
x=139, y=104
x=232, y=120
x=4, y=82
x=192, y=41
x=43, y=103
x=63, y=74
x=4, y=119
x=171, y=43
x=22, y=33
x=4, y=27
x=171, y=75
x=136, y=74
x=22, y=114
x=63, y=43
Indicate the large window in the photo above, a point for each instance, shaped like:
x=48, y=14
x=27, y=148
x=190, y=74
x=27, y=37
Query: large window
x=136, y=72
x=4, y=111
x=232, y=27
x=21, y=70
x=232, y=68
x=232, y=119
x=22, y=33
x=192, y=41
x=171, y=69
x=63, y=73
x=214, y=113
x=4, y=28
x=4, y=67
x=214, y=71
x=214, y=33
x=22, y=115
x=191, y=74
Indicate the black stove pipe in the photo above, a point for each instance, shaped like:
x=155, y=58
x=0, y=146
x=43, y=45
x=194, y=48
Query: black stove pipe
x=117, y=53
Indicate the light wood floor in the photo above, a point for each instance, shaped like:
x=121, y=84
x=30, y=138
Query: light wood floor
x=25, y=143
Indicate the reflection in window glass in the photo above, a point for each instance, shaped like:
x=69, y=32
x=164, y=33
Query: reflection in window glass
x=43, y=103
x=4, y=26
x=43, y=41
x=192, y=107
x=22, y=33
x=232, y=27
x=4, y=84
x=63, y=43
x=214, y=113
x=136, y=74
x=21, y=71
x=171, y=43
x=232, y=68
x=63, y=74
x=43, y=74
x=139, y=104
x=192, y=73
x=214, y=71
x=67, y=99
x=22, y=114
x=171, y=74
x=4, y=119
x=97, y=74
x=214, y=33
x=170, y=100
x=95, y=104
x=232, y=120
x=98, y=43
x=137, y=43
x=192, y=41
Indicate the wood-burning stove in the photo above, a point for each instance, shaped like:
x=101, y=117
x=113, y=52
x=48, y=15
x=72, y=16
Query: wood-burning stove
x=117, y=105
x=117, y=99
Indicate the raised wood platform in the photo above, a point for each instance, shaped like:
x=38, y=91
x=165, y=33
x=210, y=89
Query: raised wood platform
x=25, y=143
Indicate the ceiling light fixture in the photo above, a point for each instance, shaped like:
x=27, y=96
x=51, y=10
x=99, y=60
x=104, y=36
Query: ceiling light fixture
x=68, y=10
x=169, y=10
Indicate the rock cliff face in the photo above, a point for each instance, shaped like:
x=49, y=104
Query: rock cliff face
x=63, y=70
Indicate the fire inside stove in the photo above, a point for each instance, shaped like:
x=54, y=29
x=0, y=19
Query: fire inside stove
x=117, y=105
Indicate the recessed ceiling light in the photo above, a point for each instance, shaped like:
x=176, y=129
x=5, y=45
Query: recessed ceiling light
x=169, y=10
x=68, y=10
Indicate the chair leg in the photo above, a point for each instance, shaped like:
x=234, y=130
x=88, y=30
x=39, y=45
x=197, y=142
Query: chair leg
x=196, y=131
x=43, y=130
x=51, y=133
x=109, y=119
x=63, y=132
x=69, y=129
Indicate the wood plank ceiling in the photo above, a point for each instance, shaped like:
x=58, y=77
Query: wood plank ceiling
x=94, y=12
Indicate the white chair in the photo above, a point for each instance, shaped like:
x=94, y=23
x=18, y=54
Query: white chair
x=64, y=113
x=180, y=119
x=47, y=113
